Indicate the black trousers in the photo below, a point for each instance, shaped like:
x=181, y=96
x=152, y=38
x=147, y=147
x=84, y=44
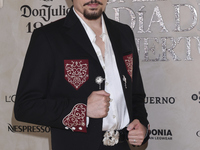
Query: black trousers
x=120, y=146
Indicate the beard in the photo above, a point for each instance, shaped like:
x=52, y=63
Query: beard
x=92, y=15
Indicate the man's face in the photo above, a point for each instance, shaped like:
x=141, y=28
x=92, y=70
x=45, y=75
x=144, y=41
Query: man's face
x=90, y=9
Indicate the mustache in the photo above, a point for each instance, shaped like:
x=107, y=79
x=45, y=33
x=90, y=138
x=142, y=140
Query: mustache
x=93, y=2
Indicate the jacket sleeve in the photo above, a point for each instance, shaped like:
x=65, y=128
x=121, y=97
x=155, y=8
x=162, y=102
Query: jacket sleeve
x=138, y=93
x=33, y=103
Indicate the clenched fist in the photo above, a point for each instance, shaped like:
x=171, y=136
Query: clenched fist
x=98, y=104
x=137, y=132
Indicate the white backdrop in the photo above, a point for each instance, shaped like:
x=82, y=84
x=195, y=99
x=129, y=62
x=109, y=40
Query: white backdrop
x=167, y=34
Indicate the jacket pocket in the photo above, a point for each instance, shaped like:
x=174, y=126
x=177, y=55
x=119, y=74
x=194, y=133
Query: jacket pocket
x=76, y=72
x=128, y=60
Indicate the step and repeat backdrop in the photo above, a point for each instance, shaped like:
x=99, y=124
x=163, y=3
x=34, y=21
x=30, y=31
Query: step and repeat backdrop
x=167, y=33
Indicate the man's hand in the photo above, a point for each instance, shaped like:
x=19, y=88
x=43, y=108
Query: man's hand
x=98, y=104
x=137, y=132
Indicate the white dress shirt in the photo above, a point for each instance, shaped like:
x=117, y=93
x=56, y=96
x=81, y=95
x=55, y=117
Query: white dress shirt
x=118, y=116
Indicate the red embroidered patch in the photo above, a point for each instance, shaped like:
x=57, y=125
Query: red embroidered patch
x=128, y=59
x=76, y=119
x=76, y=72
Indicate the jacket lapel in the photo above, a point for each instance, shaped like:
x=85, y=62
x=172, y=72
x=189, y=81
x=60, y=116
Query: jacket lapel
x=76, y=31
x=115, y=39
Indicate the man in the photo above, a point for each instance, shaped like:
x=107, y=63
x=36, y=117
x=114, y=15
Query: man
x=81, y=77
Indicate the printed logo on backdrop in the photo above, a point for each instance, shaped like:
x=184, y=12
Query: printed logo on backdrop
x=28, y=129
x=44, y=14
x=196, y=97
x=160, y=100
x=198, y=133
x=163, y=47
x=152, y=46
x=161, y=134
x=9, y=99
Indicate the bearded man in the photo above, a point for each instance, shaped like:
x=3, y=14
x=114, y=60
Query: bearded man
x=81, y=77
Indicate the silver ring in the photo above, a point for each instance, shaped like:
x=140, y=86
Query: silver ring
x=134, y=141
